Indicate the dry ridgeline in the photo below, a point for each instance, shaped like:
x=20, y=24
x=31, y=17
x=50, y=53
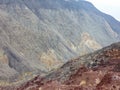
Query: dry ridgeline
x=38, y=39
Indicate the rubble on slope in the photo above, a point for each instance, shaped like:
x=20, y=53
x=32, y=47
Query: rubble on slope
x=104, y=75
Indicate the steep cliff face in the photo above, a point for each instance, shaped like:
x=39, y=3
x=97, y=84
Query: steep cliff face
x=41, y=35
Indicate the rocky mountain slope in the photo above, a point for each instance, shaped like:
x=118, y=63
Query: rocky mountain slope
x=102, y=73
x=37, y=36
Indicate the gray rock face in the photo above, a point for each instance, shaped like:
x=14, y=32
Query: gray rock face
x=41, y=35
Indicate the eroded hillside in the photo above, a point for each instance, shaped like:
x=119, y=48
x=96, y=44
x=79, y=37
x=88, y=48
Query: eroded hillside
x=37, y=36
x=102, y=73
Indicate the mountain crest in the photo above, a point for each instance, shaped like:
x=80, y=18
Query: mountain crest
x=42, y=35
